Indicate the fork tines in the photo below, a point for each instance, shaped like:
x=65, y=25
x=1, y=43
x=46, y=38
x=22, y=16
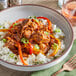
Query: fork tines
x=72, y=61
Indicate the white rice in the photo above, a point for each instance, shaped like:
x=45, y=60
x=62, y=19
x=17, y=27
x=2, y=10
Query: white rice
x=32, y=59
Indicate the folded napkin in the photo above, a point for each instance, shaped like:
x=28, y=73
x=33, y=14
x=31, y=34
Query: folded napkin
x=51, y=70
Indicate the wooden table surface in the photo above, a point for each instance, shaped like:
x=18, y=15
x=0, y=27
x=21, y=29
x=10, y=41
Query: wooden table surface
x=50, y=3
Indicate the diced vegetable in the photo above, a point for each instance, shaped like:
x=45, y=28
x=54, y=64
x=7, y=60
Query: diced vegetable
x=34, y=17
x=24, y=40
x=37, y=20
x=37, y=46
x=57, y=30
x=38, y=62
x=55, y=57
x=15, y=24
x=31, y=17
x=3, y=27
x=46, y=32
x=4, y=40
x=55, y=46
x=15, y=58
x=0, y=26
x=11, y=55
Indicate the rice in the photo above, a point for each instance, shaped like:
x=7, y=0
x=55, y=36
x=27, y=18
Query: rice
x=7, y=55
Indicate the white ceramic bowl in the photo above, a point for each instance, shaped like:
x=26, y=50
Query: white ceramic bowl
x=26, y=10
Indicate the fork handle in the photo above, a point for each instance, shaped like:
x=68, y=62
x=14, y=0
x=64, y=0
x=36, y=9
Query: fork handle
x=58, y=72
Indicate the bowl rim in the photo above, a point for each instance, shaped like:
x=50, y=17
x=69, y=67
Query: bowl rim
x=57, y=13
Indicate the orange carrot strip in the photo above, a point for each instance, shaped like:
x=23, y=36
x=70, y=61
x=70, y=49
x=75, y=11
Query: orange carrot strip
x=4, y=30
x=20, y=53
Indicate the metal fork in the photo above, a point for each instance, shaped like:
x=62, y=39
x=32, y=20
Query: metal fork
x=68, y=66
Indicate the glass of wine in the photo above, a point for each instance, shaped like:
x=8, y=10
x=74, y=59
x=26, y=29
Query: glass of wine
x=69, y=10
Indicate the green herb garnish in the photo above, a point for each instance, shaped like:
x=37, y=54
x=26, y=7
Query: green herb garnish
x=55, y=46
x=15, y=58
x=34, y=17
x=46, y=32
x=4, y=40
x=11, y=55
x=24, y=40
x=14, y=24
x=37, y=20
x=30, y=17
x=37, y=46
x=38, y=62
x=3, y=27
x=0, y=26
x=57, y=30
x=55, y=57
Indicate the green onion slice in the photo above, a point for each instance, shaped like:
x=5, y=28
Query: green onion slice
x=4, y=40
x=55, y=46
x=37, y=46
x=46, y=32
x=24, y=40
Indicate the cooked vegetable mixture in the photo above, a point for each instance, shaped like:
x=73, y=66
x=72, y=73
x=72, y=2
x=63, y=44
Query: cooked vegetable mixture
x=31, y=41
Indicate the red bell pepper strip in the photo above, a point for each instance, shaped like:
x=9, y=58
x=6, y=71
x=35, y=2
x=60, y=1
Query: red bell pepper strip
x=16, y=22
x=20, y=53
x=49, y=22
x=31, y=48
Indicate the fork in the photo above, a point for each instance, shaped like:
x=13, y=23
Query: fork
x=68, y=66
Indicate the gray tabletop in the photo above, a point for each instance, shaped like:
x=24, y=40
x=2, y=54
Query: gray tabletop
x=9, y=72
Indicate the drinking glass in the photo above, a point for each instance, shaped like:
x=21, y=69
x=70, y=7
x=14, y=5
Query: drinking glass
x=69, y=10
